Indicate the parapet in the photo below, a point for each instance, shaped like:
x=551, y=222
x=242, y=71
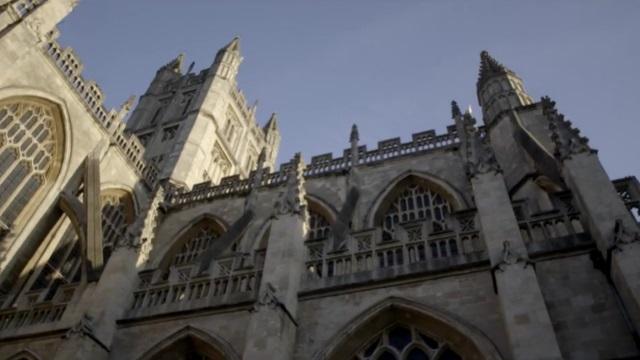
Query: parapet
x=91, y=94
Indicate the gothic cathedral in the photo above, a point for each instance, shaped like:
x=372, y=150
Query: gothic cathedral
x=175, y=235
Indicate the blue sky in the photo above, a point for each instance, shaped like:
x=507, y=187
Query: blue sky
x=392, y=67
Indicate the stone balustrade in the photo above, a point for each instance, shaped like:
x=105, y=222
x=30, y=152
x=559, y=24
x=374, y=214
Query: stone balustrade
x=367, y=257
x=553, y=231
x=11, y=319
x=235, y=288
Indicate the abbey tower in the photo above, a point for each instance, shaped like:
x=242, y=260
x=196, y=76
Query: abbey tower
x=175, y=235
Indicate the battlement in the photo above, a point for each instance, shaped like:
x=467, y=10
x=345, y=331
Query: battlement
x=320, y=165
x=91, y=95
x=387, y=149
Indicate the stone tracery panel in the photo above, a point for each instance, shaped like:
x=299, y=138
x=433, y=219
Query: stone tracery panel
x=416, y=202
x=401, y=342
x=30, y=152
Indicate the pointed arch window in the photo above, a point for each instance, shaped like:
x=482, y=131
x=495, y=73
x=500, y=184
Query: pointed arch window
x=30, y=153
x=199, y=241
x=415, y=201
x=402, y=342
x=63, y=266
x=319, y=227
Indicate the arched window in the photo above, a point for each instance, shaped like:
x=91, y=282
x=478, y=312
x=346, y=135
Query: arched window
x=402, y=342
x=414, y=202
x=30, y=152
x=319, y=227
x=200, y=240
x=319, y=220
x=117, y=214
x=191, y=244
x=63, y=265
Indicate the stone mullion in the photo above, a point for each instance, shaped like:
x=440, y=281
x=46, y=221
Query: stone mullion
x=17, y=190
x=524, y=312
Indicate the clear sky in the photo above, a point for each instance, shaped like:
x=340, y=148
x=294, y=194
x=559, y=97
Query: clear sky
x=392, y=67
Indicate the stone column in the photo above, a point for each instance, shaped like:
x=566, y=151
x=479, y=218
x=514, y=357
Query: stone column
x=524, y=313
x=100, y=307
x=272, y=328
x=603, y=212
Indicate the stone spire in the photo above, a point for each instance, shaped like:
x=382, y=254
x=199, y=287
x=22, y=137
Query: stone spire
x=490, y=67
x=272, y=124
x=499, y=89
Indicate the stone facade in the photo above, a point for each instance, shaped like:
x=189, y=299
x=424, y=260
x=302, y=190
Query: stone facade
x=174, y=236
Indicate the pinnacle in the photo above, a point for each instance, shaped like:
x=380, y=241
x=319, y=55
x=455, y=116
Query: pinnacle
x=234, y=44
x=455, y=110
x=272, y=123
x=354, y=137
x=489, y=67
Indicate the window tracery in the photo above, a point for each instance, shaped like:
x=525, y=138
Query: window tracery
x=29, y=150
x=319, y=227
x=416, y=202
x=117, y=214
x=63, y=267
x=195, y=245
x=401, y=342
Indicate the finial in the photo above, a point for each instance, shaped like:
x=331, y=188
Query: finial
x=272, y=123
x=489, y=67
x=354, y=136
x=234, y=44
x=176, y=64
x=455, y=110
x=193, y=63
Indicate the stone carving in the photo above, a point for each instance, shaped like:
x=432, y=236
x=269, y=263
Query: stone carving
x=510, y=257
x=84, y=327
x=291, y=199
x=566, y=138
x=623, y=235
x=268, y=297
x=479, y=155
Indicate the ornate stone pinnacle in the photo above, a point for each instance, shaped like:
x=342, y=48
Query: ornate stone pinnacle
x=567, y=140
x=291, y=199
x=479, y=155
x=490, y=67
x=354, y=136
x=455, y=110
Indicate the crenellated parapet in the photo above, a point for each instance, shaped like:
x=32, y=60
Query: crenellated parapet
x=323, y=165
x=421, y=143
x=111, y=121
